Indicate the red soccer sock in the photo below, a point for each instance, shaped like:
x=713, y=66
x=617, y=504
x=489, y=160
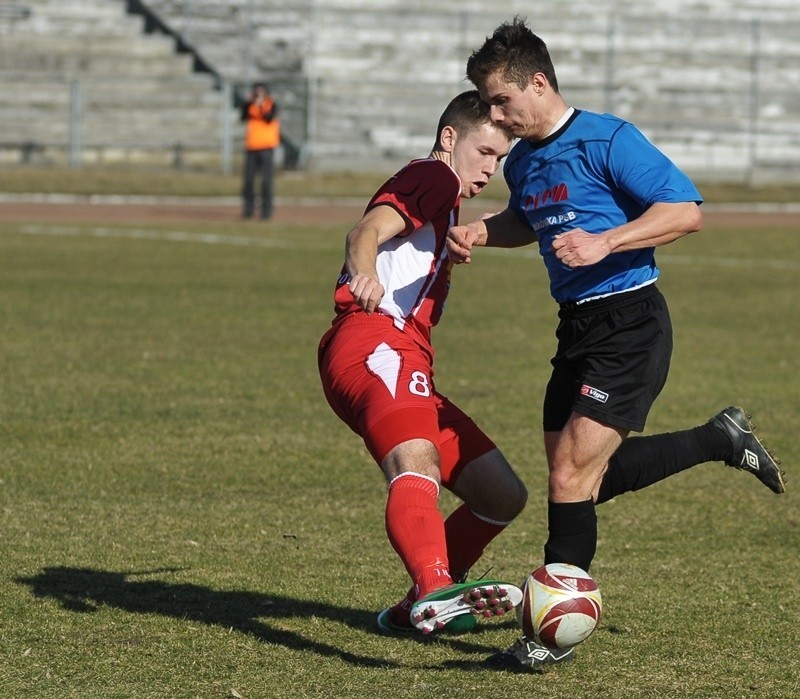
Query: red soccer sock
x=467, y=537
x=401, y=612
x=416, y=530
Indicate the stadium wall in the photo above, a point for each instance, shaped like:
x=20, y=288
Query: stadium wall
x=716, y=84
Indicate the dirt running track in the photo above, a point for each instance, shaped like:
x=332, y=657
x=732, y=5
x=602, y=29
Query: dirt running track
x=20, y=210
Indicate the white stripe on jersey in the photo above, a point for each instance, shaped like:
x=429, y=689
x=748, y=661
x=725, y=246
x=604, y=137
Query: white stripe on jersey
x=401, y=262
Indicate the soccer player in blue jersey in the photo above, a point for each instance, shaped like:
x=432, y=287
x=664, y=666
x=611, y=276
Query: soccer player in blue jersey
x=598, y=198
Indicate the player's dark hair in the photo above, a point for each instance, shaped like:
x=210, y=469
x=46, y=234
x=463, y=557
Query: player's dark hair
x=516, y=53
x=464, y=113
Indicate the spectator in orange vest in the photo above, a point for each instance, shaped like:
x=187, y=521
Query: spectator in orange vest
x=262, y=136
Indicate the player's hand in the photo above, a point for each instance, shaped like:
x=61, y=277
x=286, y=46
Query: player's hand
x=459, y=243
x=367, y=291
x=577, y=248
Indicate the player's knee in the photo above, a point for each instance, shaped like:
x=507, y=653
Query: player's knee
x=504, y=504
x=417, y=456
x=514, y=502
x=569, y=484
x=491, y=488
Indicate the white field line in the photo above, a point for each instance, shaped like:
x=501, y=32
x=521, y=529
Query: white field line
x=171, y=236
x=155, y=199
x=290, y=244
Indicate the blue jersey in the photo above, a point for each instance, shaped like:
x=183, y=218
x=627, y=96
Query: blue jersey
x=596, y=172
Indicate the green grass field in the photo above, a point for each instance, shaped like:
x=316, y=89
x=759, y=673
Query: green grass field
x=129, y=179
x=183, y=516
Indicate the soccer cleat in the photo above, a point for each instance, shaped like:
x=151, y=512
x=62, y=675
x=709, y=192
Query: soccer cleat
x=461, y=624
x=748, y=453
x=387, y=624
x=486, y=598
x=528, y=656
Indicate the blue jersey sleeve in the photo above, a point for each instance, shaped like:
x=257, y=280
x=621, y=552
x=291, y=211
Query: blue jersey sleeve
x=644, y=173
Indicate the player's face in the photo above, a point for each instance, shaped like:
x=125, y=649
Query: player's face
x=515, y=109
x=477, y=155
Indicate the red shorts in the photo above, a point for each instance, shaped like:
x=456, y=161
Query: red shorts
x=379, y=381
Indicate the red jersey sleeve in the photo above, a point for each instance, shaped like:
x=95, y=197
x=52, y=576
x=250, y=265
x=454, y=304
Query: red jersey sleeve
x=423, y=191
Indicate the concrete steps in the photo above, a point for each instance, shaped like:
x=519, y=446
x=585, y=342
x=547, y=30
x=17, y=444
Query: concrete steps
x=362, y=81
x=139, y=99
x=377, y=72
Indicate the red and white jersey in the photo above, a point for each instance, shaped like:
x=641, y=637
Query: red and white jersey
x=413, y=267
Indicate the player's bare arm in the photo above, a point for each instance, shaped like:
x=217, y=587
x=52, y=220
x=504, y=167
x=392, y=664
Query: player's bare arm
x=503, y=230
x=378, y=225
x=660, y=225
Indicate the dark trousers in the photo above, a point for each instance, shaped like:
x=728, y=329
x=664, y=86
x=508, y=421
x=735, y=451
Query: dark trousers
x=258, y=162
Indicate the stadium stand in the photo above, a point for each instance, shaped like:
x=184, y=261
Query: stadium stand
x=713, y=82
x=716, y=83
x=86, y=70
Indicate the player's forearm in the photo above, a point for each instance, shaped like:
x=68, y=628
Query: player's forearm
x=660, y=225
x=361, y=252
x=505, y=230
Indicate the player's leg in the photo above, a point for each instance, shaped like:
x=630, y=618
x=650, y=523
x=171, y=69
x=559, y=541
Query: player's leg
x=577, y=458
x=378, y=382
x=611, y=363
x=572, y=526
x=572, y=521
x=603, y=363
x=727, y=437
x=267, y=179
x=493, y=496
x=417, y=533
x=474, y=469
x=414, y=524
x=248, y=186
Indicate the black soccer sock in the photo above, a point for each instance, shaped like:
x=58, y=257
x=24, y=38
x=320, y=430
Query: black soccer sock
x=572, y=536
x=642, y=461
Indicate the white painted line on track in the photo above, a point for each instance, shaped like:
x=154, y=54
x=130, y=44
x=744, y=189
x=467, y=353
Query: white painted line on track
x=314, y=201
x=171, y=236
x=288, y=244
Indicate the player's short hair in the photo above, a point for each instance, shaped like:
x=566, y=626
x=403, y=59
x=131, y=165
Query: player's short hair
x=516, y=53
x=465, y=113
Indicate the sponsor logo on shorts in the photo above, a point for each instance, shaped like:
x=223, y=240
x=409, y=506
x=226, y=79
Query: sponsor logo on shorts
x=594, y=393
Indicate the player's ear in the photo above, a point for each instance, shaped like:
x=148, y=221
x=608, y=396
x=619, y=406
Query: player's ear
x=448, y=138
x=539, y=83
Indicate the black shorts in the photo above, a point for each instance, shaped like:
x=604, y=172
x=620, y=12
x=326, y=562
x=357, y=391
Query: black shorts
x=612, y=360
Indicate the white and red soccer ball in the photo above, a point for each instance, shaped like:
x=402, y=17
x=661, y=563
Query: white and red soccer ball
x=561, y=605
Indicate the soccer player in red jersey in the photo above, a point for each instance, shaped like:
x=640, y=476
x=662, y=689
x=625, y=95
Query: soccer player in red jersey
x=376, y=366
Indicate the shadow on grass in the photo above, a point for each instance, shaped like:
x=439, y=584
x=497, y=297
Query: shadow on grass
x=84, y=590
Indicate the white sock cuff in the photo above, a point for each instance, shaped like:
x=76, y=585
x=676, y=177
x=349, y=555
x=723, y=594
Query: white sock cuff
x=418, y=475
x=496, y=522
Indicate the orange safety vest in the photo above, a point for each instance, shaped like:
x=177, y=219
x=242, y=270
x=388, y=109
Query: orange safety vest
x=260, y=134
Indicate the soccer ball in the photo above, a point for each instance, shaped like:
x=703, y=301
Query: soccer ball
x=561, y=605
